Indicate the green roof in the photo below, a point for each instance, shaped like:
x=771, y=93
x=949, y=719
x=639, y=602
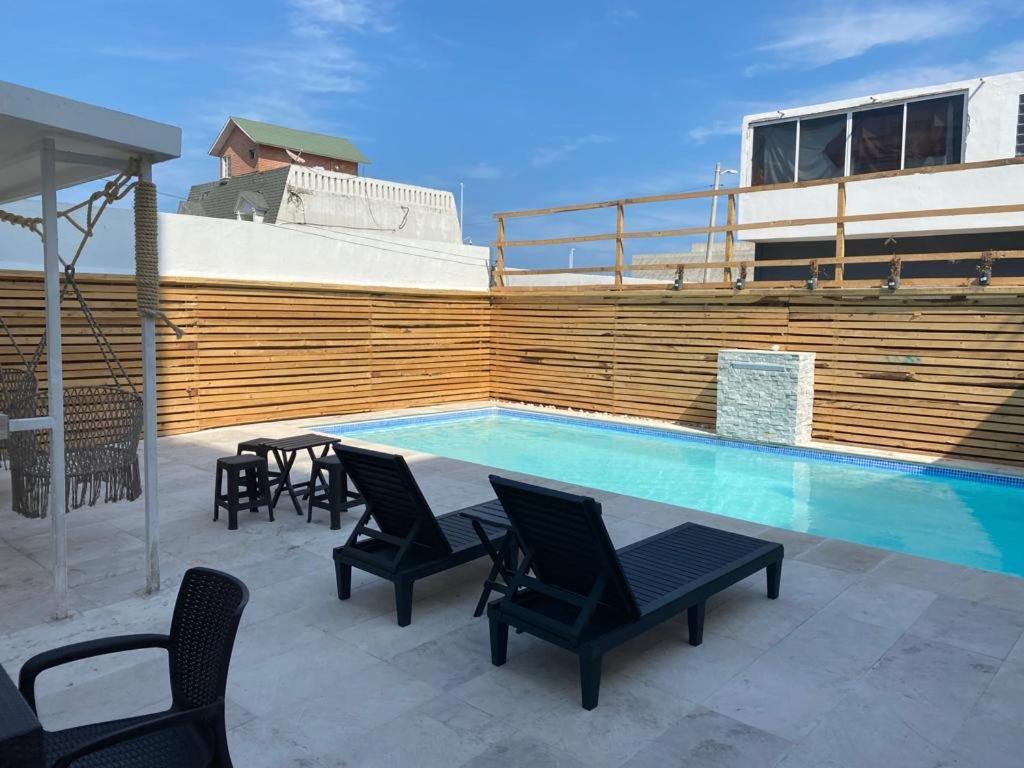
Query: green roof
x=301, y=141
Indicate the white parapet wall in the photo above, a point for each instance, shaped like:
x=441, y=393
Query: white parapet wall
x=195, y=246
x=765, y=396
x=338, y=200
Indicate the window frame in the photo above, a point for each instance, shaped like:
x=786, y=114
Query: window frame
x=963, y=93
x=1019, y=137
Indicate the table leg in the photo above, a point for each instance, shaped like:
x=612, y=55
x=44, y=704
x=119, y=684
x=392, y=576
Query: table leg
x=499, y=558
x=285, y=463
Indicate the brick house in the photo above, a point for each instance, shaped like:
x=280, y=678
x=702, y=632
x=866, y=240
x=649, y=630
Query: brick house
x=247, y=146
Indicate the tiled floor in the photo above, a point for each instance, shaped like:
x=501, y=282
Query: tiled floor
x=869, y=658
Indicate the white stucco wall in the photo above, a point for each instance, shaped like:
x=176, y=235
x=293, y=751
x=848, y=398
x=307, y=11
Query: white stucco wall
x=194, y=246
x=991, y=129
x=376, y=206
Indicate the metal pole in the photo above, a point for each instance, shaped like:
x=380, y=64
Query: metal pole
x=714, y=216
x=149, y=423
x=54, y=376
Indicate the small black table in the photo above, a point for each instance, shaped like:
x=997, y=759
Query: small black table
x=285, y=451
x=505, y=559
x=21, y=734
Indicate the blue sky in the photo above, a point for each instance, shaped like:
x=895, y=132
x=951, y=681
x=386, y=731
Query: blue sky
x=528, y=103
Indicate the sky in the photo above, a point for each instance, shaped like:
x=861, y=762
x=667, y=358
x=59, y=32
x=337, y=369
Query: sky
x=528, y=104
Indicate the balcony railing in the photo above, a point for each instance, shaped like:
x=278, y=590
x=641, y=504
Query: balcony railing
x=360, y=186
x=738, y=274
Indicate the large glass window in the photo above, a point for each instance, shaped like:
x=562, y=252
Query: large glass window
x=822, y=147
x=906, y=135
x=934, y=132
x=876, y=142
x=774, y=153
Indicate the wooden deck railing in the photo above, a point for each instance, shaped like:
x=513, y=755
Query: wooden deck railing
x=738, y=273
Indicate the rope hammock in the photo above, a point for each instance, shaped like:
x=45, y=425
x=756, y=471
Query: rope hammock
x=102, y=424
x=15, y=385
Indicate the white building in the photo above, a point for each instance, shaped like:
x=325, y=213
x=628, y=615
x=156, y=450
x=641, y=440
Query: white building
x=318, y=198
x=962, y=122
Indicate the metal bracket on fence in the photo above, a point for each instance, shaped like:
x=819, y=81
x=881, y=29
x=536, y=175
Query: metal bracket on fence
x=812, y=278
x=742, y=279
x=677, y=283
x=985, y=269
x=895, y=267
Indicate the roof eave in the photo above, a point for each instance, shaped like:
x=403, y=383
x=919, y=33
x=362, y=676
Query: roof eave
x=222, y=137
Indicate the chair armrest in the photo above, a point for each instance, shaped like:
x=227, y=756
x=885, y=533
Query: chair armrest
x=162, y=722
x=77, y=651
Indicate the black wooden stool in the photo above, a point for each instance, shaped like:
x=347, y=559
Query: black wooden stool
x=328, y=489
x=260, y=446
x=248, y=487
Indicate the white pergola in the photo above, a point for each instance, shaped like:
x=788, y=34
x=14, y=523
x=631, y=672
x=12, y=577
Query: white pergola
x=49, y=143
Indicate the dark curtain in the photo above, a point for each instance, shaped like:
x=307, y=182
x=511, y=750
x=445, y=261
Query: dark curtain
x=823, y=147
x=774, y=160
x=876, y=140
x=934, y=131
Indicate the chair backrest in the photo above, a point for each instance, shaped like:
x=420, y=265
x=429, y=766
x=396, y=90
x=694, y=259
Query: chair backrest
x=569, y=544
x=206, y=616
x=393, y=498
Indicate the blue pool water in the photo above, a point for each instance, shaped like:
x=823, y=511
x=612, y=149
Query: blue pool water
x=970, y=518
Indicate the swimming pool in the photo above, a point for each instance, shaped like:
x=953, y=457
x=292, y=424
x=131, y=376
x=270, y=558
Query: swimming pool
x=966, y=517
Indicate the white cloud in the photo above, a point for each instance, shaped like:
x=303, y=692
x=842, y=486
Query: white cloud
x=562, y=147
x=312, y=15
x=702, y=133
x=146, y=52
x=481, y=171
x=833, y=33
x=1006, y=58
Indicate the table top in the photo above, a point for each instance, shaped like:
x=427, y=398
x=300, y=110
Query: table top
x=490, y=512
x=298, y=442
x=21, y=735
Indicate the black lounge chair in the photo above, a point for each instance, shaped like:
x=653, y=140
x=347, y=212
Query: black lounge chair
x=408, y=542
x=588, y=597
x=190, y=733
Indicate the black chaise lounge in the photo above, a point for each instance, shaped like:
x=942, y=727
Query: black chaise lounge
x=191, y=734
x=574, y=589
x=408, y=542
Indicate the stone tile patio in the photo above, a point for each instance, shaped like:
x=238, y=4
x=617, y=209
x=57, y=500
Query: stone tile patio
x=869, y=658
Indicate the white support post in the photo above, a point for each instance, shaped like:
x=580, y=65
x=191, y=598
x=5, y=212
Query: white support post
x=54, y=376
x=149, y=424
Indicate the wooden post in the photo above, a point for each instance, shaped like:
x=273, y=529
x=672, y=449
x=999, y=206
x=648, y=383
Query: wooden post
x=730, y=235
x=499, y=263
x=620, y=219
x=840, y=230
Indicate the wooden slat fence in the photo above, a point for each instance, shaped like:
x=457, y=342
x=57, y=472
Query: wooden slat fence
x=256, y=352
x=929, y=373
x=939, y=375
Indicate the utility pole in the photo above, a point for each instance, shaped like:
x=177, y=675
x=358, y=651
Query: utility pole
x=714, y=214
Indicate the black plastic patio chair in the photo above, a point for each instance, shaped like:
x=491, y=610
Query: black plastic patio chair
x=408, y=543
x=192, y=732
x=575, y=590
